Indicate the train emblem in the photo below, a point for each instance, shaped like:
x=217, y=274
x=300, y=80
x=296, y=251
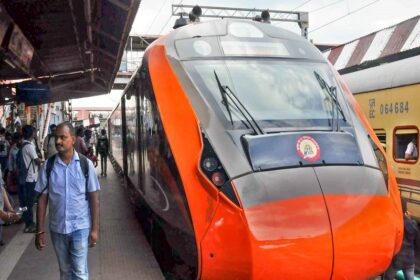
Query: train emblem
x=308, y=149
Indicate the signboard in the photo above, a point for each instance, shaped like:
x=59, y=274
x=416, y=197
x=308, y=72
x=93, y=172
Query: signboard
x=21, y=47
x=32, y=93
x=91, y=122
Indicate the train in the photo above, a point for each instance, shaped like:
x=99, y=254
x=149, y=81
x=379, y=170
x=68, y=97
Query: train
x=388, y=96
x=248, y=157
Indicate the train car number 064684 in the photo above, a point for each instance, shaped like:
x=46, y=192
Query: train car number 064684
x=394, y=108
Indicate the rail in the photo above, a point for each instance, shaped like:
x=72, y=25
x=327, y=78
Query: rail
x=411, y=191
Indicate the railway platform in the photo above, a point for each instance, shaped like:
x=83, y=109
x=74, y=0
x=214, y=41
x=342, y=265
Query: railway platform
x=122, y=251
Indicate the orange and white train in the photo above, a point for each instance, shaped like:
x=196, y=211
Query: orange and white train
x=249, y=158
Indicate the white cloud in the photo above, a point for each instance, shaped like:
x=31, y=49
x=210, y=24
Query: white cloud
x=377, y=16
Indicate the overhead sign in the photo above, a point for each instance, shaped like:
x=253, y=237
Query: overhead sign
x=21, y=47
x=32, y=93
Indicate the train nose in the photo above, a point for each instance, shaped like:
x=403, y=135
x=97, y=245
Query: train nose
x=288, y=224
x=365, y=224
x=321, y=223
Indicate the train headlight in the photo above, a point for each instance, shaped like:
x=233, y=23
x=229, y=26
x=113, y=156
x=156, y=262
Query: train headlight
x=213, y=169
x=218, y=178
x=210, y=164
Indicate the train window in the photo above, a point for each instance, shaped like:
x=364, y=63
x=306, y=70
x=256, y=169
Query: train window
x=381, y=134
x=131, y=132
x=286, y=94
x=405, y=144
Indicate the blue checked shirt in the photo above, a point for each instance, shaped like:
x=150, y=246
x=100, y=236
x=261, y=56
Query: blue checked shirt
x=68, y=207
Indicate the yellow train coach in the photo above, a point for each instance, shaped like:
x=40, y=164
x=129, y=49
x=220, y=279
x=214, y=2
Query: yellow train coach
x=390, y=97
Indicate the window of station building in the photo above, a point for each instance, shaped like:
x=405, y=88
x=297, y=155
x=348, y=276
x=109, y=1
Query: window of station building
x=381, y=134
x=406, y=144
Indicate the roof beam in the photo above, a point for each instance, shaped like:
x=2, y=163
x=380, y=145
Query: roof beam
x=88, y=17
x=107, y=35
x=125, y=34
x=76, y=33
x=104, y=52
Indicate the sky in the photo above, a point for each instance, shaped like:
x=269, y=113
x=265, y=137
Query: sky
x=330, y=21
x=154, y=14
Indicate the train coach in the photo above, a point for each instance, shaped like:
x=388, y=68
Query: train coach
x=388, y=95
x=249, y=158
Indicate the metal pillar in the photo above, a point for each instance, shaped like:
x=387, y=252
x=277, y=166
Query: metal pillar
x=300, y=18
x=46, y=124
x=70, y=112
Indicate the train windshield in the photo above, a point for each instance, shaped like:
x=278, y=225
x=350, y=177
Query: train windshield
x=277, y=93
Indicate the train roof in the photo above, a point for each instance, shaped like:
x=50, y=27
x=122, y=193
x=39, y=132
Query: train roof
x=239, y=35
x=219, y=28
x=389, y=75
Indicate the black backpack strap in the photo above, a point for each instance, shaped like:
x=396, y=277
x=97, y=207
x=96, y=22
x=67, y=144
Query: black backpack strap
x=85, y=169
x=48, y=170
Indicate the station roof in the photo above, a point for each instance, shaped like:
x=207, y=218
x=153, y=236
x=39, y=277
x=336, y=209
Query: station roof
x=393, y=43
x=73, y=46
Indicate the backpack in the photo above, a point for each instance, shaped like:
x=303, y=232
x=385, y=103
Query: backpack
x=21, y=169
x=102, y=145
x=84, y=165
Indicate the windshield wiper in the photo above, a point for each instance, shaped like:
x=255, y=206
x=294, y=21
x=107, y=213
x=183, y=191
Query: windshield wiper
x=223, y=93
x=332, y=93
x=226, y=103
x=226, y=96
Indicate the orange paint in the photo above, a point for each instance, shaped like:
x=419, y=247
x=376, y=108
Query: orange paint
x=180, y=123
x=320, y=237
x=394, y=194
x=364, y=232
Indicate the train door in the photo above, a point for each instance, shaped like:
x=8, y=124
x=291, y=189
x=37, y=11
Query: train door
x=143, y=107
x=123, y=134
x=172, y=233
x=131, y=134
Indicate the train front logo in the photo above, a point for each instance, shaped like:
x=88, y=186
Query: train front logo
x=308, y=149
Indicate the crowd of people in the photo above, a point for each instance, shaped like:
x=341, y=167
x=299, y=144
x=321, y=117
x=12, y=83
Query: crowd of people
x=21, y=159
x=31, y=173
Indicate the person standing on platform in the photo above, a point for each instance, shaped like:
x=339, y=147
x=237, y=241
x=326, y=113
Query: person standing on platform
x=12, y=174
x=88, y=138
x=102, y=147
x=10, y=215
x=28, y=162
x=68, y=183
x=405, y=259
x=49, y=143
x=80, y=145
x=4, y=149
